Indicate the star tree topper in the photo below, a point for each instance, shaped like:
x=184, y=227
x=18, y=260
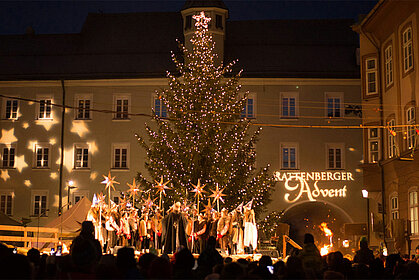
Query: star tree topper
x=201, y=20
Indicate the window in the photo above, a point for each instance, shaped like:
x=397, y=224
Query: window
x=407, y=49
x=81, y=156
x=8, y=153
x=334, y=103
x=413, y=211
x=388, y=56
x=411, y=129
x=39, y=203
x=392, y=139
x=394, y=204
x=188, y=23
x=219, y=21
x=120, y=156
x=335, y=156
x=373, y=145
x=11, y=109
x=83, y=105
x=160, y=108
x=121, y=107
x=289, y=105
x=42, y=155
x=6, y=202
x=371, y=76
x=45, y=108
x=249, y=107
x=78, y=195
x=289, y=156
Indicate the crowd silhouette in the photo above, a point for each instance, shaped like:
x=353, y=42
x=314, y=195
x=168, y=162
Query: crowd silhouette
x=86, y=261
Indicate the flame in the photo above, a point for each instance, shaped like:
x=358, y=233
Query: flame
x=326, y=230
x=325, y=250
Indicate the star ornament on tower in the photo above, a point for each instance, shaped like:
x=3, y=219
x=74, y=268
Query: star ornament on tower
x=201, y=20
x=161, y=187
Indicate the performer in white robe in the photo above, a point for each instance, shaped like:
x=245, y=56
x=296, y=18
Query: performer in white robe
x=250, y=230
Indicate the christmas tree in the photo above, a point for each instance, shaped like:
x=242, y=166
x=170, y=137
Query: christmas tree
x=203, y=136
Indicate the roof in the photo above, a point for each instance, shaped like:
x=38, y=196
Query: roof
x=204, y=3
x=139, y=45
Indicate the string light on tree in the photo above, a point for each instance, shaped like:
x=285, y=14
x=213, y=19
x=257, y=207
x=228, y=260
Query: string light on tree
x=203, y=136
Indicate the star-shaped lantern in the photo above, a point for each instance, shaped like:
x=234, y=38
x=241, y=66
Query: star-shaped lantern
x=109, y=181
x=198, y=189
x=208, y=207
x=133, y=189
x=161, y=187
x=217, y=194
x=201, y=20
x=148, y=203
x=123, y=202
x=101, y=199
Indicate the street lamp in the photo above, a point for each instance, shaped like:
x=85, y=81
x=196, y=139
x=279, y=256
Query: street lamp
x=365, y=195
x=69, y=188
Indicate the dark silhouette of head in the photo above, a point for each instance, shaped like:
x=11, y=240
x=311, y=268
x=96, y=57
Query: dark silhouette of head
x=308, y=238
x=87, y=228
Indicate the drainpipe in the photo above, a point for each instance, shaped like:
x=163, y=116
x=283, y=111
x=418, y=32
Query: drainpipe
x=380, y=162
x=60, y=188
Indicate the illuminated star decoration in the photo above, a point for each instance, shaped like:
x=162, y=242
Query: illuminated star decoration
x=161, y=187
x=148, y=203
x=123, y=202
x=198, y=189
x=101, y=199
x=217, y=194
x=133, y=189
x=208, y=207
x=109, y=181
x=201, y=20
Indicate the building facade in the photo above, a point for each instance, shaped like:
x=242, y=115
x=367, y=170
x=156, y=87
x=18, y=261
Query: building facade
x=304, y=86
x=389, y=51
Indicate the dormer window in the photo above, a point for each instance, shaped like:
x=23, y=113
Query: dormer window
x=218, y=21
x=188, y=22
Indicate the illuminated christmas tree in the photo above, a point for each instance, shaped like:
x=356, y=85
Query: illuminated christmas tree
x=203, y=136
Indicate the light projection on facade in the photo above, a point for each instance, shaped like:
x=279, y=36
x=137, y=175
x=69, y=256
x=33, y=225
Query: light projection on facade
x=79, y=128
x=8, y=136
x=300, y=185
x=20, y=163
x=5, y=175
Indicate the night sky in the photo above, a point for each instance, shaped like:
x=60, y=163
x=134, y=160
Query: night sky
x=68, y=16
